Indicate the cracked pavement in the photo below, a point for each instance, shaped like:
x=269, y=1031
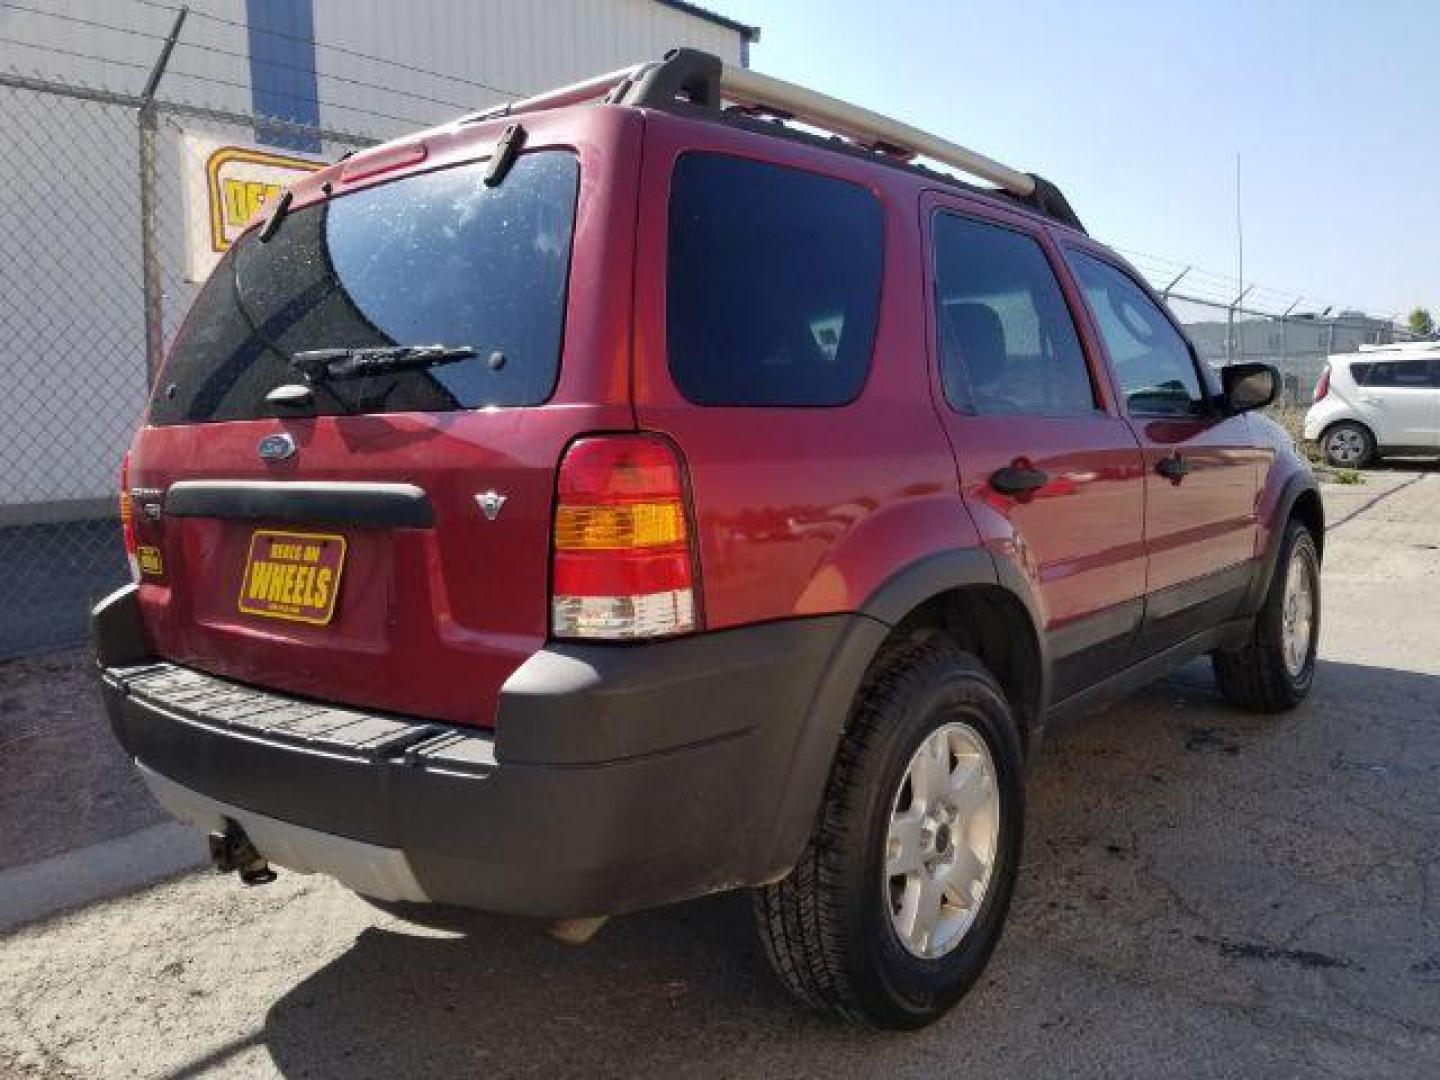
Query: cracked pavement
x=1205, y=893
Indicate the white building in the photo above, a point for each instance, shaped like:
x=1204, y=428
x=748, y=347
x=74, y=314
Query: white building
x=72, y=310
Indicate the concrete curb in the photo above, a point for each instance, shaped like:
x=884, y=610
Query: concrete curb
x=95, y=873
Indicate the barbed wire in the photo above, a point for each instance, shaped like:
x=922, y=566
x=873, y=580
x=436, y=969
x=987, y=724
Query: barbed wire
x=1200, y=285
x=345, y=50
x=217, y=50
x=211, y=80
x=1225, y=288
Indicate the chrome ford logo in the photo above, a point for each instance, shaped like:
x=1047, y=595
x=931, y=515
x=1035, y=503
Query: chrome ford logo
x=276, y=447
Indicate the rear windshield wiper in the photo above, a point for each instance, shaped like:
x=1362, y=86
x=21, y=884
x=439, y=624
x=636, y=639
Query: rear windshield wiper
x=324, y=365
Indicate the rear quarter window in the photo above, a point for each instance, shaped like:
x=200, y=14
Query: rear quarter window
x=1401, y=374
x=773, y=283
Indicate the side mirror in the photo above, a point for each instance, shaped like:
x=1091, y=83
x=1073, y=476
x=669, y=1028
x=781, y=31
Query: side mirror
x=1249, y=386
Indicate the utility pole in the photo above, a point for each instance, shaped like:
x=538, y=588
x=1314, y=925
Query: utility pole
x=1239, y=227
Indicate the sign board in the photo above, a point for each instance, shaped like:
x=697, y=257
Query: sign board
x=226, y=185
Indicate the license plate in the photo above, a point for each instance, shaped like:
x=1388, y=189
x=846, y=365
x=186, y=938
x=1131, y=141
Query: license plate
x=293, y=576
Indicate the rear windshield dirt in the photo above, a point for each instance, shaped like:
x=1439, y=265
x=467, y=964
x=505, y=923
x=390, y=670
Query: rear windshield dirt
x=437, y=258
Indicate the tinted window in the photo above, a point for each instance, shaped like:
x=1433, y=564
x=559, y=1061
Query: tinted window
x=1398, y=373
x=432, y=259
x=773, y=284
x=1007, y=342
x=1150, y=358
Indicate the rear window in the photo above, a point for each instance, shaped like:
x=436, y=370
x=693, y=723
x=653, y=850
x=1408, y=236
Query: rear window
x=773, y=284
x=438, y=258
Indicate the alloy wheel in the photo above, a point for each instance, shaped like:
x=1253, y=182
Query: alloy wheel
x=942, y=842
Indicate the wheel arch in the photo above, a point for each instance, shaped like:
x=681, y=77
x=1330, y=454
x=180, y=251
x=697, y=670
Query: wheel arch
x=1310, y=511
x=985, y=601
x=1353, y=421
x=1298, y=499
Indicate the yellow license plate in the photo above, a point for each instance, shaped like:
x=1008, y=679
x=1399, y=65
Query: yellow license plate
x=294, y=576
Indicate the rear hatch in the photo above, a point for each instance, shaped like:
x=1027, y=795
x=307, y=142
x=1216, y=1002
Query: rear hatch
x=382, y=540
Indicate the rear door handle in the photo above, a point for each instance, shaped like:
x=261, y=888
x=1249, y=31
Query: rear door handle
x=1018, y=480
x=1173, y=468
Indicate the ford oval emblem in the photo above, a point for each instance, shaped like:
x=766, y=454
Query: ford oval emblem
x=276, y=447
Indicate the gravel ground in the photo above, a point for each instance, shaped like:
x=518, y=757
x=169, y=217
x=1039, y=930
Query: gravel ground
x=1205, y=893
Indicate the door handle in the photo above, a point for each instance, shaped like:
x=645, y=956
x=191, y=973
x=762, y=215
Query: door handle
x=1018, y=480
x=1173, y=468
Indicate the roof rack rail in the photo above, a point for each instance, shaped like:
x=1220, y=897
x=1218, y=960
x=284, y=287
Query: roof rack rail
x=1402, y=346
x=697, y=78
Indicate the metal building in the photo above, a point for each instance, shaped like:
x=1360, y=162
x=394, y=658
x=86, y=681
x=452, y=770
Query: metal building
x=105, y=195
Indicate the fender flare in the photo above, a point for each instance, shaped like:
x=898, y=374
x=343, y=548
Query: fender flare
x=814, y=751
x=1296, y=485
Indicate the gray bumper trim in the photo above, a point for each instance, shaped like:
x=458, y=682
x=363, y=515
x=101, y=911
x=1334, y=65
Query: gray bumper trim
x=381, y=872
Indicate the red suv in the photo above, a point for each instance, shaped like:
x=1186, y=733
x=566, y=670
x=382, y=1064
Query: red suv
x=638, y=492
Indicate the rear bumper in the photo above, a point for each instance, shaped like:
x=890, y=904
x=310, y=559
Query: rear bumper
x=616, y=778
x=1320, y=416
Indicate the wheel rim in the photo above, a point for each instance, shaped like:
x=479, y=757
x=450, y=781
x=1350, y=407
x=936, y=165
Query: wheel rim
x=1297, y=614
x=943, y=836
x=1347, y=445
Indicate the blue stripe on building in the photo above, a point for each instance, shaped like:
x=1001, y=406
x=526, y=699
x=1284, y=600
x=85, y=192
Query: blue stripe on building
x=282, y=70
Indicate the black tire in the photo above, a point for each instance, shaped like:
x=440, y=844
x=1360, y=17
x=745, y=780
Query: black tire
x=1257, y=676
x=1354, y=431
x=826, y=927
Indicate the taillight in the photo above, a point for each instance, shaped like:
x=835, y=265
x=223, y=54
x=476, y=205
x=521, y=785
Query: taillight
x=127, y=519
x=624, y=565
x=1322, y=385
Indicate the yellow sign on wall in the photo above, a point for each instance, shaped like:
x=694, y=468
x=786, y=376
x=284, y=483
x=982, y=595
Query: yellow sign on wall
x=226, y=186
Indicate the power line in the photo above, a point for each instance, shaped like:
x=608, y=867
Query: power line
x=502, y=91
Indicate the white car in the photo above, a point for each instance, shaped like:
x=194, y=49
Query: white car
x=1384, y=399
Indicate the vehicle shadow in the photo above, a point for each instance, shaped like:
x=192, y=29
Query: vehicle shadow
x=1170, y=859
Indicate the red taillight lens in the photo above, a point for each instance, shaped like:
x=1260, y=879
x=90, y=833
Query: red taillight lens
x=1322, y=385
x=127, y=519
x=624, y=566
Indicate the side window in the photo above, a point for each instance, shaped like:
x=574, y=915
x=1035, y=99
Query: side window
x=1156, y=372
x=1402, y=374
x=1007, y=342
x=773, y=283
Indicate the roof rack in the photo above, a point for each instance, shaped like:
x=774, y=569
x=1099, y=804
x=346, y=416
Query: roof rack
x=1402, y=346
x=700, y=79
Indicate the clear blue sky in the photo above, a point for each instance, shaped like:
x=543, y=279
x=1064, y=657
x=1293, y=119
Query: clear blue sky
x=1137, y=111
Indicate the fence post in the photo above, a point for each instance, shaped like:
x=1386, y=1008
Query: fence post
x=1165, y=292
x=1230, y=327
x=149, y=227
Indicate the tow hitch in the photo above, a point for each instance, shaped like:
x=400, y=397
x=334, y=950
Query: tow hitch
x=233, y=851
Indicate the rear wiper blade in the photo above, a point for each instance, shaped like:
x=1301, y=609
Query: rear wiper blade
x=323, y=365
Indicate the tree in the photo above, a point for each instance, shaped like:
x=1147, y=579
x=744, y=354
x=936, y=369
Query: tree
x=1420, y=322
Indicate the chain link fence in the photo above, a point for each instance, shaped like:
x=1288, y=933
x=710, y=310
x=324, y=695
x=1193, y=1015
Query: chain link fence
x=93, y=284
x=1297, y=344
